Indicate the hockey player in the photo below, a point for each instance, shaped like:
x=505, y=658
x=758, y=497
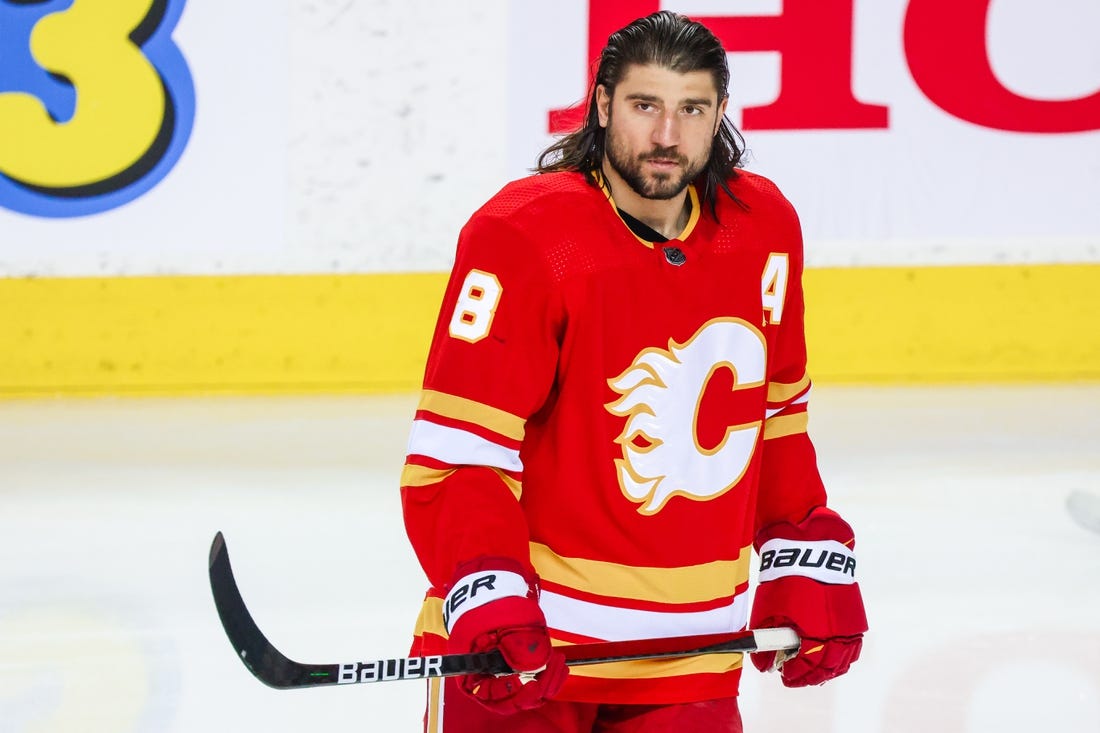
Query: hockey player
x=614, y=416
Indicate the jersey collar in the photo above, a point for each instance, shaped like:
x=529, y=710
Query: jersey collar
x=693, y=218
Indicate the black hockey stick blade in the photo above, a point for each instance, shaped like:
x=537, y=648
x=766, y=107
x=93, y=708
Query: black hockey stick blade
x=261, y=658
x=274, y=669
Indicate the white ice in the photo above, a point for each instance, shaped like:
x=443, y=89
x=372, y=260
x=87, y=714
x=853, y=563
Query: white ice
x=982, y=594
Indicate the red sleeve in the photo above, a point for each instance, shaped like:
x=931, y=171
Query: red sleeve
x=491, y=365
x=790, y=485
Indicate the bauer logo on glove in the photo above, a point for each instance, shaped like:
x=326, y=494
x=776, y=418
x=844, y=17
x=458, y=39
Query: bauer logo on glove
x=828, y=562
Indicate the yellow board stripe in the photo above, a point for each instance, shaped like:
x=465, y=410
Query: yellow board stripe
x=691, y=584
x=459, y=408
x=782, y=425
x=987, y=323
x=206, y=335
x=269, y=334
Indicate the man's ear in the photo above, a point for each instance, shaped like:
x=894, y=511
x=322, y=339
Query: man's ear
x=603, y=104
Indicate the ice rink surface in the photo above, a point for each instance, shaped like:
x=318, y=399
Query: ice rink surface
x=983, y=595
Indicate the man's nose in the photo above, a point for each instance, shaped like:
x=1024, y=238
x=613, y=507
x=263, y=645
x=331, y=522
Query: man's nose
x=666, y=133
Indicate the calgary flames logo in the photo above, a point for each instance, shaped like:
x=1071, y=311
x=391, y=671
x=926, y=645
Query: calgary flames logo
x=662, y=392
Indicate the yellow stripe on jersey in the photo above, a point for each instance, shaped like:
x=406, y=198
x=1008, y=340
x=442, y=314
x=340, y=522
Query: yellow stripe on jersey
x=460, y=408
x=514, y=486
x=693, y=219
x=782, y=391
x=655, y=668
x=434, y=722
x=783, y=425
x=413, y=475
x=689, y=584
x=430, y=620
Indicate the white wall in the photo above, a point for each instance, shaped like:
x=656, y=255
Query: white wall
x=336, y=136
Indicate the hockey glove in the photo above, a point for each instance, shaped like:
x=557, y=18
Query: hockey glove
x=493, y=604
x=807, y=582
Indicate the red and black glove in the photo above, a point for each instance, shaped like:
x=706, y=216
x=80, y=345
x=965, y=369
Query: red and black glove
x=493, y=604
x=807, y=582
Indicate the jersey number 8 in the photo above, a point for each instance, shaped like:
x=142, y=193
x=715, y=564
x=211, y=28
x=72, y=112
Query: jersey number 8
x=476, y=305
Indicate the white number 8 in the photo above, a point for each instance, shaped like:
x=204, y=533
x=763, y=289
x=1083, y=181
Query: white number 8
x=477, y=303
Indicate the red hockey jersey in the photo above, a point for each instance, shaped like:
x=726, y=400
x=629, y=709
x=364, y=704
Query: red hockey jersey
x=621, y=416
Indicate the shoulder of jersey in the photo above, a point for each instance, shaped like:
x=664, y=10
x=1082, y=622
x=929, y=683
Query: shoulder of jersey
x=543, y=192
x=759, y=192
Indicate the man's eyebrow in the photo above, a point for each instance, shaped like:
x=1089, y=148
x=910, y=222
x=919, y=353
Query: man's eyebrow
x=693, y=101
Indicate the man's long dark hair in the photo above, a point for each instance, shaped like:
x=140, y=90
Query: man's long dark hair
x=673, y=42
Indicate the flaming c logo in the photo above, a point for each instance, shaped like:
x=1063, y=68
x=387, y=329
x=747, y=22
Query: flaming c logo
x=662, y=392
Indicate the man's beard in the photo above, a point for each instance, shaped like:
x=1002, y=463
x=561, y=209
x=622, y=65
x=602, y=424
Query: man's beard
x=661, y=186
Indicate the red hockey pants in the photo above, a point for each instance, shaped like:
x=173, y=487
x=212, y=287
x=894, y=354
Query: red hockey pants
x=457, y=713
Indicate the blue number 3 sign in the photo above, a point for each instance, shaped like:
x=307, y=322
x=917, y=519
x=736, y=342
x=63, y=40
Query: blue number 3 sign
x=96, y=103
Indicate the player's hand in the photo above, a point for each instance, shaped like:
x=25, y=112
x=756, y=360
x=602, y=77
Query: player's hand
x=817, y=660
x=807, y=582
x=493, y=604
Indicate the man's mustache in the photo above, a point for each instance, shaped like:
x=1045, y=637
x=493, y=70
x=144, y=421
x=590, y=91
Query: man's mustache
x=665, y=154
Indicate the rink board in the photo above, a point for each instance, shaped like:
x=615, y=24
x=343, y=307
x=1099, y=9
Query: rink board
x=370, y=333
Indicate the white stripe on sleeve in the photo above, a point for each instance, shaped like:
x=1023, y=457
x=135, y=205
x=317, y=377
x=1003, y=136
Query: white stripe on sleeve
x=460, y=448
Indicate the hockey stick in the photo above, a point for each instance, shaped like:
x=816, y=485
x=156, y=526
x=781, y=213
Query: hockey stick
x=271, y=667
